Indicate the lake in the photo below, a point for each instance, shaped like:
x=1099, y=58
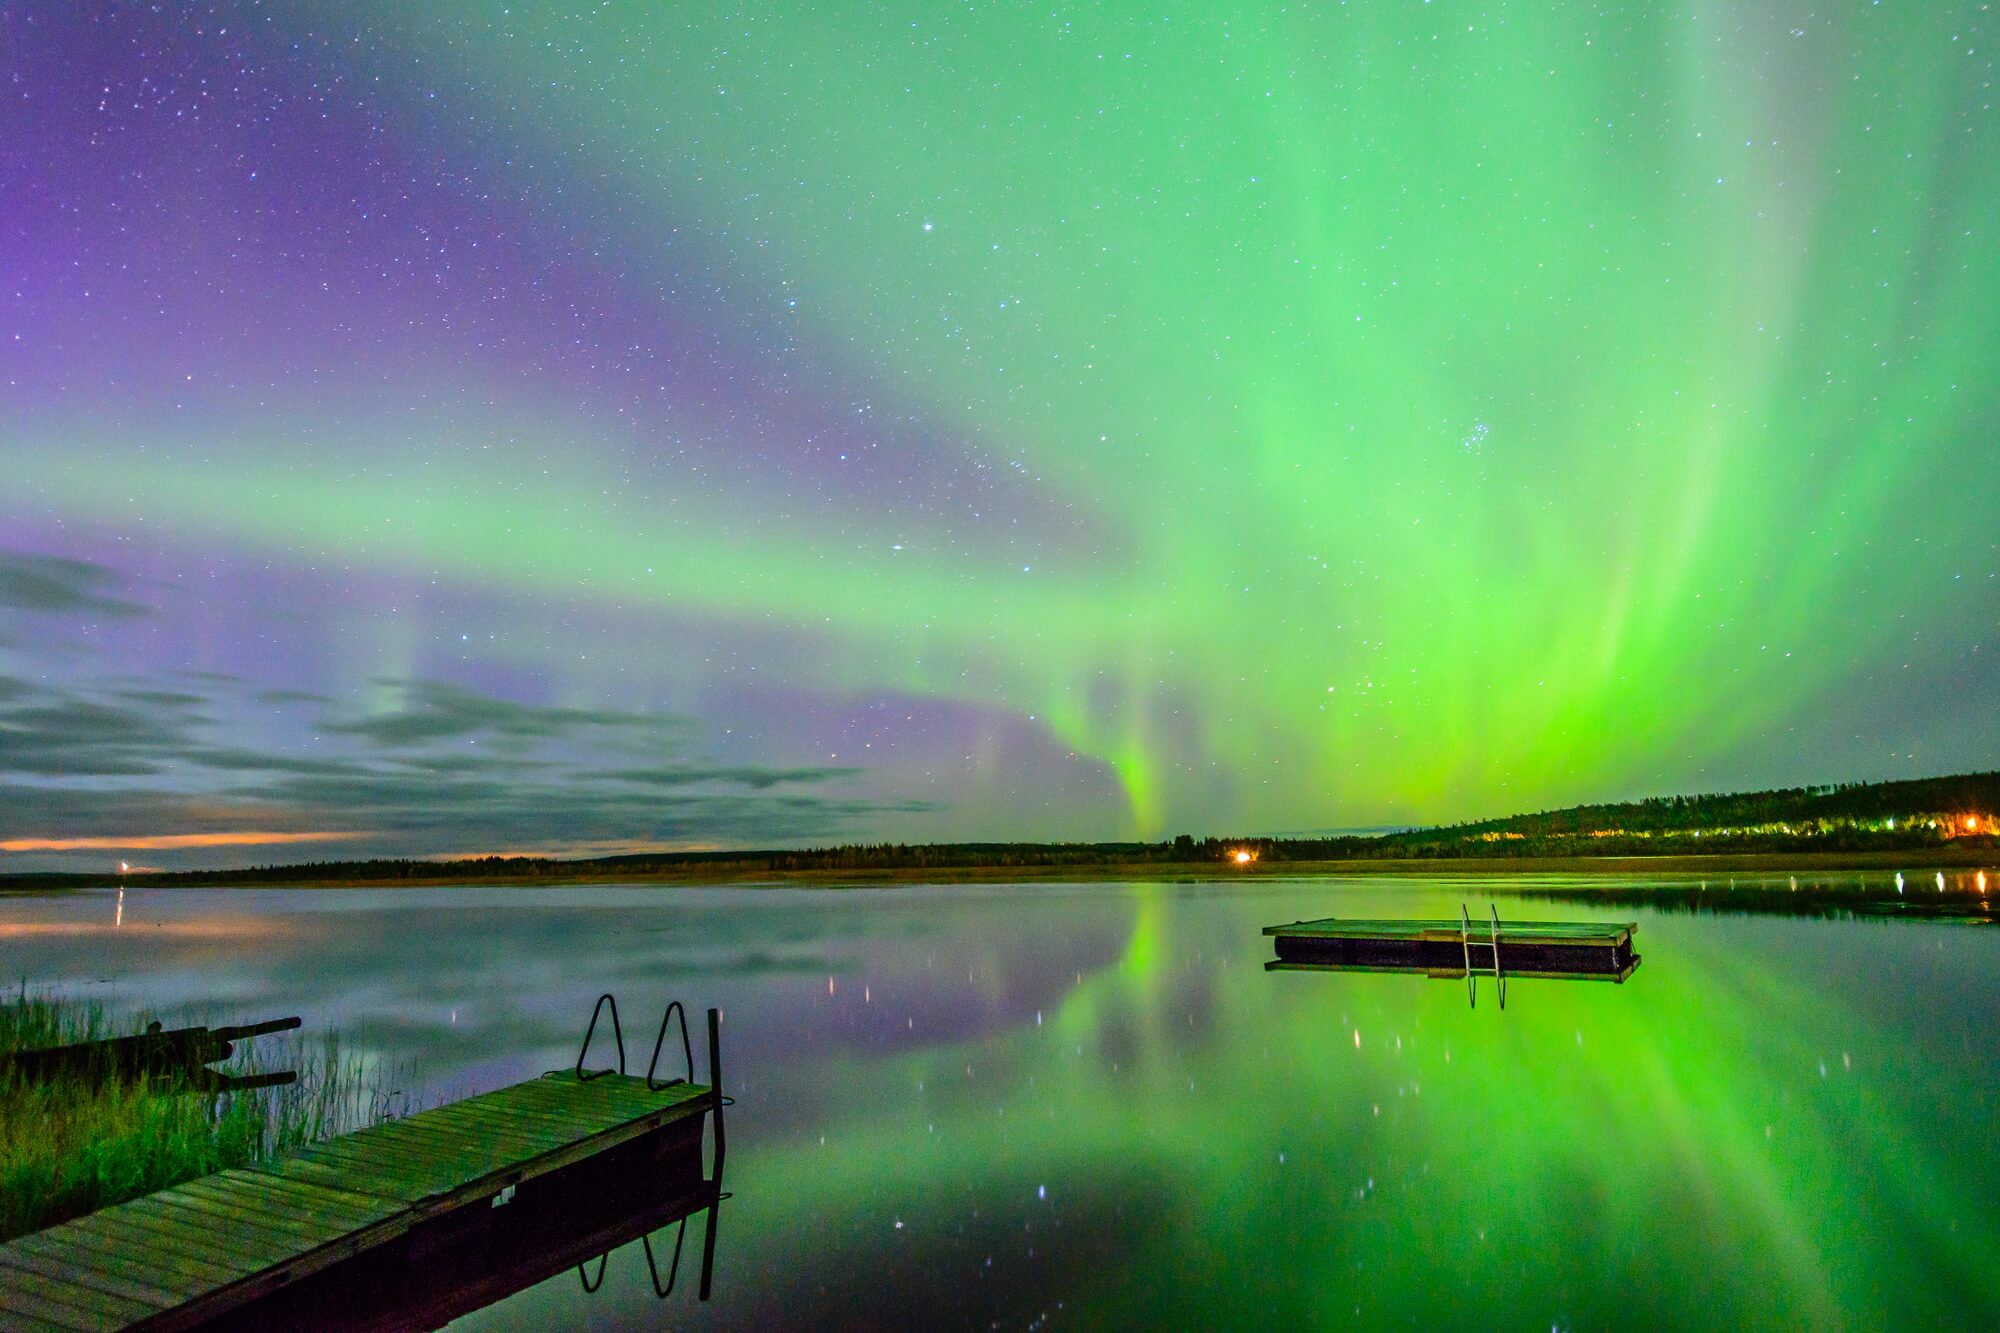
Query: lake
x=1081, y=1106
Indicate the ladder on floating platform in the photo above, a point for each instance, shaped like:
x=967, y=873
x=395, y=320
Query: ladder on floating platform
x=1466, y=943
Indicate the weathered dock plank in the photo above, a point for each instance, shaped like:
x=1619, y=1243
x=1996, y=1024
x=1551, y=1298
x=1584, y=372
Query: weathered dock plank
x=175, y=1249
x=102, y=1308
x=186, y=1255
x=340, y=1206
x=33, y=1313
x=96, y=1271
x=111, y=1283
x=58, y=1303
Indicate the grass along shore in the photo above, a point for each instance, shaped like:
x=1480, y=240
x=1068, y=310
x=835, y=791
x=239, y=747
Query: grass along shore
x=69, y=1146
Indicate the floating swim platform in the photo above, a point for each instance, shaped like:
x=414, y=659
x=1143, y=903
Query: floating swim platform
x=1565, y=950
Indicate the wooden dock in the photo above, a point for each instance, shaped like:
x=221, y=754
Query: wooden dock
x=566, y=1220
x=1567, y=950
x=211, y=1250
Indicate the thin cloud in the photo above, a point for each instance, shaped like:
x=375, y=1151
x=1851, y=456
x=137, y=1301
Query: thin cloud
x=164, y=698
x=748, y=776
x=55, y=734
x=55, y=585
x=291, y=697
x=434, y=710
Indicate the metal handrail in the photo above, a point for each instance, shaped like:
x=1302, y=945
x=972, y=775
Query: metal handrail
x=717, y=1102
x=1499, y=980
x=616, y=1031
x=687, y=1049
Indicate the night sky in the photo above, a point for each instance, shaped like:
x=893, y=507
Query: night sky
x=460, y=428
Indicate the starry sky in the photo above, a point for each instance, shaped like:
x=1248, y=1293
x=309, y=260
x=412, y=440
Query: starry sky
x=464, y=428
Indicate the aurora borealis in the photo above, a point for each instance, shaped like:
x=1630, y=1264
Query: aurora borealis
x=472, y=428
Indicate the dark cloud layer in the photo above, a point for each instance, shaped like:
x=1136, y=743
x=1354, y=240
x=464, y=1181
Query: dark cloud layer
x=76, y=763
x=52, y=733
x=54, y=585
x=433, y=710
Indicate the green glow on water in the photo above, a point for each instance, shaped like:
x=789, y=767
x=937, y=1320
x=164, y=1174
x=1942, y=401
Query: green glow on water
x=991, y=1104
x=1725, y=1140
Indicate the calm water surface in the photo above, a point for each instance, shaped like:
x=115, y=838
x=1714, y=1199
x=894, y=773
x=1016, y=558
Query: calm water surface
x=1091, y=1106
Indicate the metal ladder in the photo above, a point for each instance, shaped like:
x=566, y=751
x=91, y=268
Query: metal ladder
x=717, y=1100
x=1472, y=973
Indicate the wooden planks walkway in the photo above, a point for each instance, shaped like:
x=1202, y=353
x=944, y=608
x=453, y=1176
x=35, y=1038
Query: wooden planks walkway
x=183, y=1256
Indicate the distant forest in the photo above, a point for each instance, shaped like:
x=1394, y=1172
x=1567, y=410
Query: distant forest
x=1839, y=817
x=1845, y=817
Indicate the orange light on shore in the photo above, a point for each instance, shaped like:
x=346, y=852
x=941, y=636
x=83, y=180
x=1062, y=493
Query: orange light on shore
x=1971, y=823
x=1242, y=856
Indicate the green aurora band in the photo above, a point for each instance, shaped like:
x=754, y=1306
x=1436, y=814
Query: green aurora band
x=1466, y=407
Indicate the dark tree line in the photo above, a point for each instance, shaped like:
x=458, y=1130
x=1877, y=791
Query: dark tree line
x=1841, y=817
x=1977, y=793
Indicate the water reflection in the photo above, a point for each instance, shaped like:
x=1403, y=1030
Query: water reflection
x=1952, y=896
x=1499, y=978
x=1093, y=1107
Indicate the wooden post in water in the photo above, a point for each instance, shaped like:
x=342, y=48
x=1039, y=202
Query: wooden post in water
x=721, y=1148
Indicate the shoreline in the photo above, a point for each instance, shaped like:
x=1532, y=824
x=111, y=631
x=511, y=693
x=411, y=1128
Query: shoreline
x=1678, y=867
